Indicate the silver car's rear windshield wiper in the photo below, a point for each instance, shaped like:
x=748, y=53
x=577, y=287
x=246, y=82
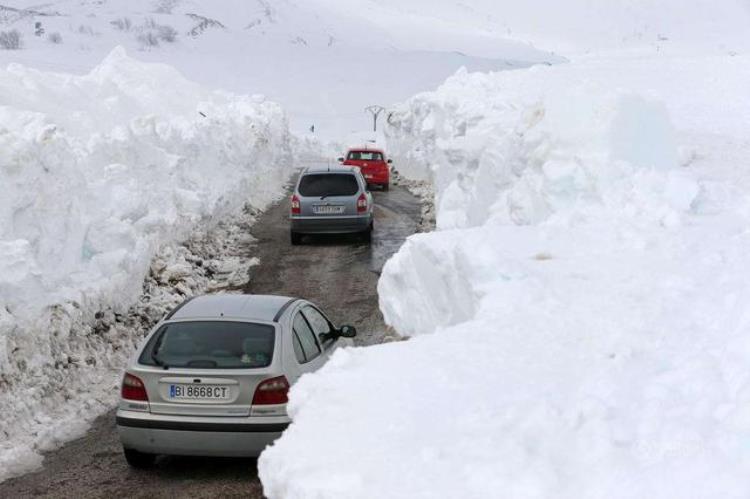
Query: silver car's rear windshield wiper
x=158, y=361
x=155, y=352
x=324, y=196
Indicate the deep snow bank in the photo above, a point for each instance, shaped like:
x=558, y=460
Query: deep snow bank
x=97, y=173
x=578, y=138
x=579, y=322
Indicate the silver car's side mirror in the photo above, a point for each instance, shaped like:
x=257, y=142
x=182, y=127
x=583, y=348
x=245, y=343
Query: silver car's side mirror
x=348, y=331
x=341, y=160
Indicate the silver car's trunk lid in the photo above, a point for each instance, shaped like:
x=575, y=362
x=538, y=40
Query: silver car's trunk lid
x=206, y=393
x=328, y=194
x=333, y=206
x=207, y=367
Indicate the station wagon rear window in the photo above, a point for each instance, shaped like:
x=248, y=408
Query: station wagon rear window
x=365, y=156
x=328, y=184
x=210, y=345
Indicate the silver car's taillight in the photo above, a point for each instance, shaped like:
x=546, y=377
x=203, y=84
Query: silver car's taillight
x=272, y=391
x=362, y=203
x=133, y=388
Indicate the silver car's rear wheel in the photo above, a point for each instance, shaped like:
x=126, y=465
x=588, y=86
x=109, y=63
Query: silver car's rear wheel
x=367, y=235
x=138, y=459
x=296, y=238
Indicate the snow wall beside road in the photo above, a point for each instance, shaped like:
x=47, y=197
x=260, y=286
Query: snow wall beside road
x=579, y=322
x=97, y=173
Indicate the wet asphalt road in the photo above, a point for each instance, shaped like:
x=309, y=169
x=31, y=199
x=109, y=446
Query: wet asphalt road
x=338, y=273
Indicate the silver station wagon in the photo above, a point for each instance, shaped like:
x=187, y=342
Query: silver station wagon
x=331, y=200
x=211, y=379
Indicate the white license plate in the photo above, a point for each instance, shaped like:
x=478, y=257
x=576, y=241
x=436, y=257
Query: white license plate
x=328, y=210
x=198, y=392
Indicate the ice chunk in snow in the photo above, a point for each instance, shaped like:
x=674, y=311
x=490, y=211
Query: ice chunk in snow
x=681, y=190
x=17, y=263
x=641, y=134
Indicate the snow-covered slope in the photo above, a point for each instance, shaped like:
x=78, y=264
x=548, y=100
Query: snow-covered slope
x=570, y=28
x=578, y=323
x=98, y=172
x=324, y=61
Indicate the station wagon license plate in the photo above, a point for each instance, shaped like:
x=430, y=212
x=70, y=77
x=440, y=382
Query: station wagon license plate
x=328, y=210
x=198, y=392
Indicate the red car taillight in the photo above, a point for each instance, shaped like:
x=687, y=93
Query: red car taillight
x=271, y=392
x=295, y=205
x=133, y=388
x=362, y=203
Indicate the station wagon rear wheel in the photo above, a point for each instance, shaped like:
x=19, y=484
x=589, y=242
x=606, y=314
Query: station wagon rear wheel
x=386, y=187
x=367, y=235
x=138, y=459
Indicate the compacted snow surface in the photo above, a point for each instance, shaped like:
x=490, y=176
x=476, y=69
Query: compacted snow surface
x=578, y=320
x=98, y=172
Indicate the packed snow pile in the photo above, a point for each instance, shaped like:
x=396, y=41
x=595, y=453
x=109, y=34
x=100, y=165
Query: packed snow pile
x=98, y=172
x=578, y=320
x=568, y=141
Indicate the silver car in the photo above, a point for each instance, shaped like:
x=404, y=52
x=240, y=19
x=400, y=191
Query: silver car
x=211, y=379
x=331, y=200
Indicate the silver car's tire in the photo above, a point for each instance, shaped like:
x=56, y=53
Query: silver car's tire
x=296, y=238
x=367, y=235
x=138, y=459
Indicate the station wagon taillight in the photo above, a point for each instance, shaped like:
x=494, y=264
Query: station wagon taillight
x=362, y=203
x=133, y=388
x=272, y=391
x=295, y=205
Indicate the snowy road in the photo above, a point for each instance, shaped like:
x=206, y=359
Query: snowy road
x=339, y=274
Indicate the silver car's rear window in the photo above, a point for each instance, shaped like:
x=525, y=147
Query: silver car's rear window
x=210, y=345
x=328, y=184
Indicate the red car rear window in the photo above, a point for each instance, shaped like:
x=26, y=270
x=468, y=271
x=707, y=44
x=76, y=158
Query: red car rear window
x=365, y=156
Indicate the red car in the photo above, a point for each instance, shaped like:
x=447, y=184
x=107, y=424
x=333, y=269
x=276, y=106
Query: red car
x=372, y=164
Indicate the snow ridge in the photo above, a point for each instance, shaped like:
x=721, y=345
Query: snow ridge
x=99, y=173
x=577, y=320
